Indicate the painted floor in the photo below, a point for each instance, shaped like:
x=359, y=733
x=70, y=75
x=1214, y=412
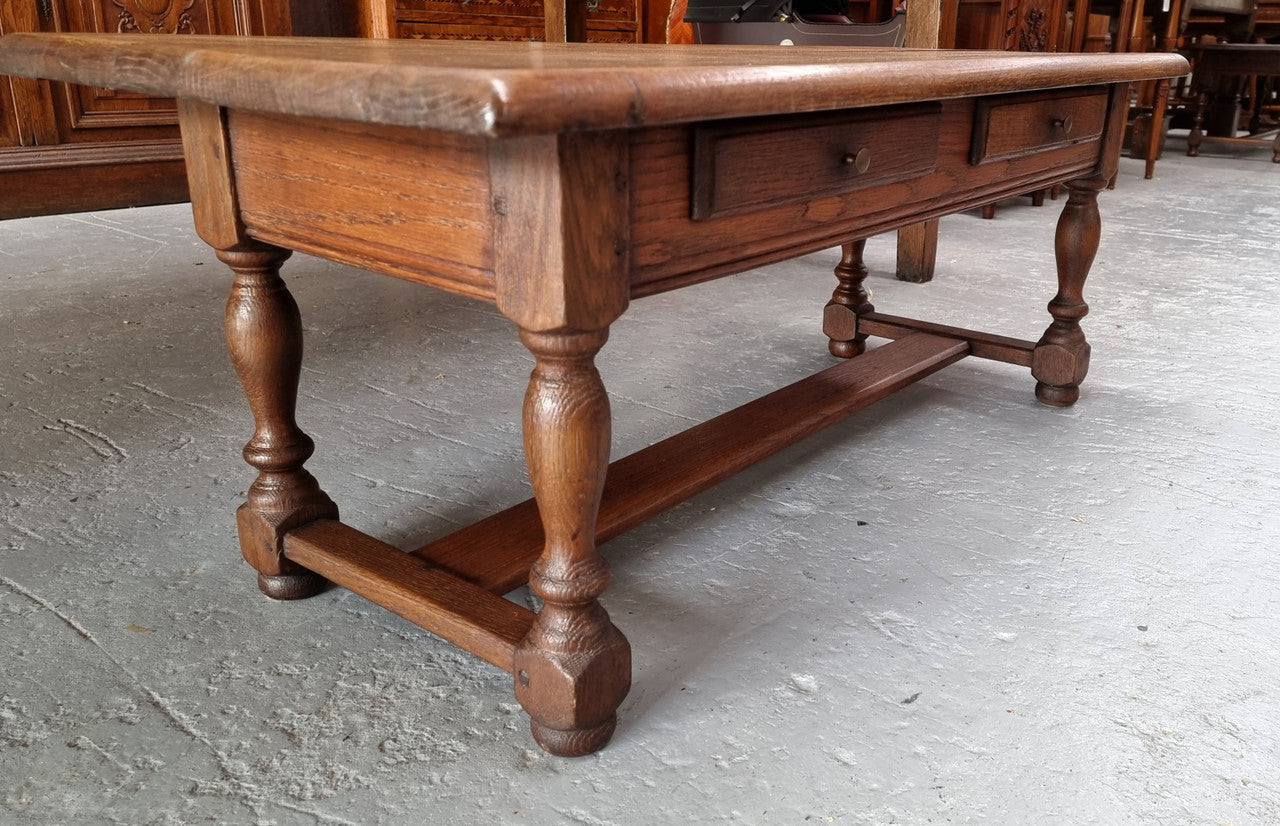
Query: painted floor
x=958, y=606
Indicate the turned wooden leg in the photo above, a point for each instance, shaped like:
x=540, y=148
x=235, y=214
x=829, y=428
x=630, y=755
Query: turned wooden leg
x=574, y=668
x=840, y=316
x=989, y=211
x=1197, y=126
x=1155, y=140
x=264, y=334
x=1061, y=356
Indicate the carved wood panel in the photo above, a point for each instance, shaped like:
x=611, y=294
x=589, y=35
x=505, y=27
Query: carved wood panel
x=162, y=17
x=85, y=112
x=69, y=148
x=10, y=134
x=1016, y=25
x=607, y=21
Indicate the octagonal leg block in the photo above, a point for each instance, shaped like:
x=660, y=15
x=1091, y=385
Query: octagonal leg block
x=571, y=676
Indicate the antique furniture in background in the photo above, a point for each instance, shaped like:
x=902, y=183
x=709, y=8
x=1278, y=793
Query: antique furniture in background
x=1012, y=25
x=562, y=181
x=796, y=31
x=1210, y=101
x=66, y=148
x=1231, y=64
x=593, y=21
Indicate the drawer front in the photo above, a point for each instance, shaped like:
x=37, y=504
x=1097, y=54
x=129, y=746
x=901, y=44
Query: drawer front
x=1017, y=125
x=740, y=166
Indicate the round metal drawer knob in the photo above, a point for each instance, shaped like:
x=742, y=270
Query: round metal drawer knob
x=860, y=161
x=1062, y=123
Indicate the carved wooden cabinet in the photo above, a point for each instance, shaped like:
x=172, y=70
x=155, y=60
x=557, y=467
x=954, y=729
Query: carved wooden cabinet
x=1011, y=25
x=608, y=21
x=66, y=148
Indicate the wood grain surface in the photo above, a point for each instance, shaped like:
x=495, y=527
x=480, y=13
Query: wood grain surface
x=524, y=88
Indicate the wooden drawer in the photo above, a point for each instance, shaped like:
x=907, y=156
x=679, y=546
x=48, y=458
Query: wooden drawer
x=743, y=165
x=1016, y=125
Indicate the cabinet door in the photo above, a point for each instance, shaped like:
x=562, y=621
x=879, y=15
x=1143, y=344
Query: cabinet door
x=90, y=114
x=67, y=148
x=1039, y=25
x=1012, y=25
x=26, y=105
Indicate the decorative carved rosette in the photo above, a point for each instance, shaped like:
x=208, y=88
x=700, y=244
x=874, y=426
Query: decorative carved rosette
x=1034, y=36
x=155, y=16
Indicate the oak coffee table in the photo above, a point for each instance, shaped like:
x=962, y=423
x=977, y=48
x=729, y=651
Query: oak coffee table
x=560, y=182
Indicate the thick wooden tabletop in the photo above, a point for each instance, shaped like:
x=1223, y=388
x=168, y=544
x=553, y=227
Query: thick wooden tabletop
x=505, y=89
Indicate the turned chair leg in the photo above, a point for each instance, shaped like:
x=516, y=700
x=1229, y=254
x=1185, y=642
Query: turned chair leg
x=264, y=335
x=574, y=668
x=851, y=298
x=1197, y=126
x=1061, y=356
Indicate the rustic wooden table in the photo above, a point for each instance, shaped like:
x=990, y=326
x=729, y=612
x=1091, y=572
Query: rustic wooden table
x=562, y=181
x=1214, y=63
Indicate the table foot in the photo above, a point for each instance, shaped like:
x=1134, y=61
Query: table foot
x=578, y=743
x=573, y=669
x=264, y=335
x=1056, y=396
x=1060, y=359
x=850, y=299
x=292, y=586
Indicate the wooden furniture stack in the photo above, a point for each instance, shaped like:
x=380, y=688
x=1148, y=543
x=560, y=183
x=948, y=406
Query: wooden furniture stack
x=1229, y=66
x=1011, y=25
x=600, y=21
x=67, y=148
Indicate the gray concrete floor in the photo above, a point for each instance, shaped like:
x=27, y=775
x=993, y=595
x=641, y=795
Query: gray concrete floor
x=956, y=607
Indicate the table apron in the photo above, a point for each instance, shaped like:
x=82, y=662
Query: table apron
x=420, y=204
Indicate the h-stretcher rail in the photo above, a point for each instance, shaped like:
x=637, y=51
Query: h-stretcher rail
x=452, y=587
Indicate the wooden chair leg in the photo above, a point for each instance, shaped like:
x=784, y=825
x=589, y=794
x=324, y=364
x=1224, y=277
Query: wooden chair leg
x=1156, y=139
x=264, y=335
